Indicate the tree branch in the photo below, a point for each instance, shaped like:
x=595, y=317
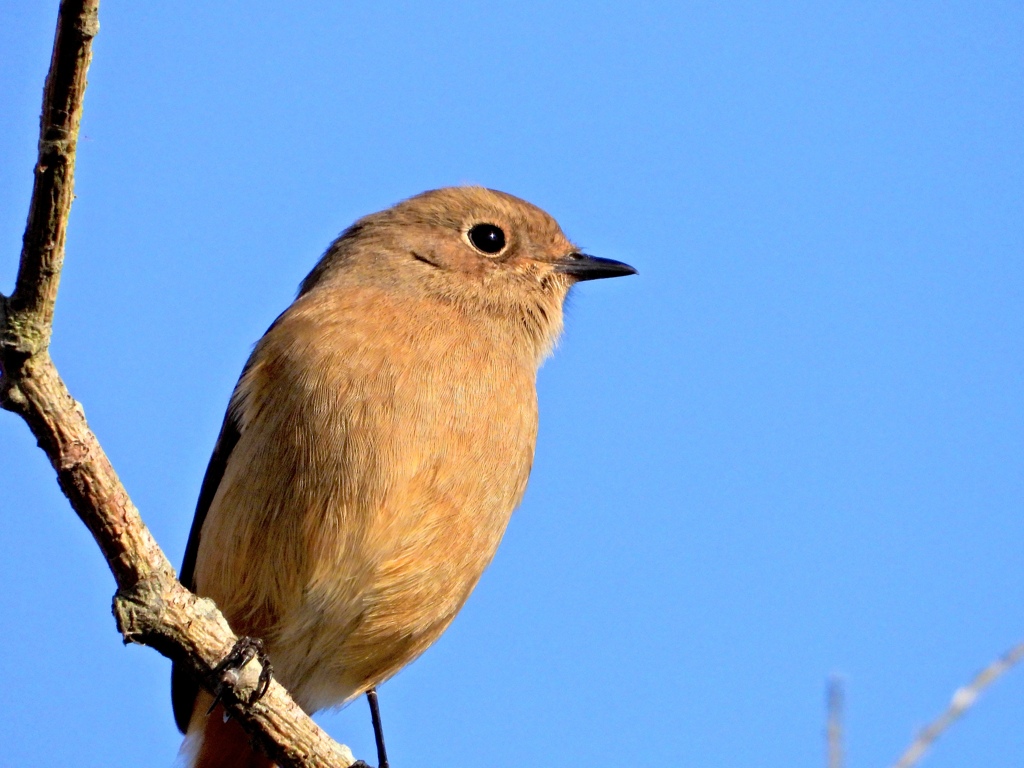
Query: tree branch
x=834, y=729
x=963, y=699
x=151, y=606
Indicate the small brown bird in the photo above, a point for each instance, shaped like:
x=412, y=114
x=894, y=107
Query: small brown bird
x=376, y=444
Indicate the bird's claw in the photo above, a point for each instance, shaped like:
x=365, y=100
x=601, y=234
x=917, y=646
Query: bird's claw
x=229, y=670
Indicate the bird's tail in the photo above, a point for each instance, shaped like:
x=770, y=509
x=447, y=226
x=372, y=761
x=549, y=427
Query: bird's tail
x=213, y=742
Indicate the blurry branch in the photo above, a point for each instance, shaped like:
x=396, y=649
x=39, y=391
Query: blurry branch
x=151, y=606
x=834, y=729
x=963, y=699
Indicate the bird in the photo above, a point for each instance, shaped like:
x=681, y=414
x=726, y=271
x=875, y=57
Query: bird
x=375, y=446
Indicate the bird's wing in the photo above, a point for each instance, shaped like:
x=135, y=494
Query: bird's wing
x=226, y=441
x=183, y=687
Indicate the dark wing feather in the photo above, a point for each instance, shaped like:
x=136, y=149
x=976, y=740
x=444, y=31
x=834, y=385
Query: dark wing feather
x=183, y=687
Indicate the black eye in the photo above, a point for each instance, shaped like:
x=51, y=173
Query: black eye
x=487, y=238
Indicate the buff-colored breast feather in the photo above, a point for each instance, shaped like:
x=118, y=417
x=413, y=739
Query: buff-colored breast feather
x=383, y=531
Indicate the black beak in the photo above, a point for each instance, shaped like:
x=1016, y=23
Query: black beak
x=584, y=267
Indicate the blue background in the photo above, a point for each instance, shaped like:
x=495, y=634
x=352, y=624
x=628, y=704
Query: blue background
x=791, y=447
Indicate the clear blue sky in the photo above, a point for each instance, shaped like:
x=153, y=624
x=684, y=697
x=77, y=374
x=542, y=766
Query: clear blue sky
x=794, y=445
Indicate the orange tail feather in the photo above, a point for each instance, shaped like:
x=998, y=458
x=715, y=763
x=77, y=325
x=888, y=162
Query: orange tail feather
x=219, y=744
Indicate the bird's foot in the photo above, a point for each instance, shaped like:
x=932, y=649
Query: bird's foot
x=229, y=670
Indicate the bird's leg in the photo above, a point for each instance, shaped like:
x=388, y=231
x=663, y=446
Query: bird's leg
x=229, y=669
x=378, y=732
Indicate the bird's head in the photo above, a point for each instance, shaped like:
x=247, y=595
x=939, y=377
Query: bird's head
x=483, y=250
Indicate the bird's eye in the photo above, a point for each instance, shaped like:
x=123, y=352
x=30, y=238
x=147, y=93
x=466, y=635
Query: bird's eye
x=487, y=238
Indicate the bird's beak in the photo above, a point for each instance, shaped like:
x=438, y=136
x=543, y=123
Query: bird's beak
x=583, y=267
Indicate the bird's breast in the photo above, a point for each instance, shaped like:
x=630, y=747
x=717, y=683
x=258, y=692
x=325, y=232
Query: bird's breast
x=378, y=465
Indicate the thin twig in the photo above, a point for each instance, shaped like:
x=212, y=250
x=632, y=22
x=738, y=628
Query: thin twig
x=834, y=729
x=963, y=699
x=151, y=606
